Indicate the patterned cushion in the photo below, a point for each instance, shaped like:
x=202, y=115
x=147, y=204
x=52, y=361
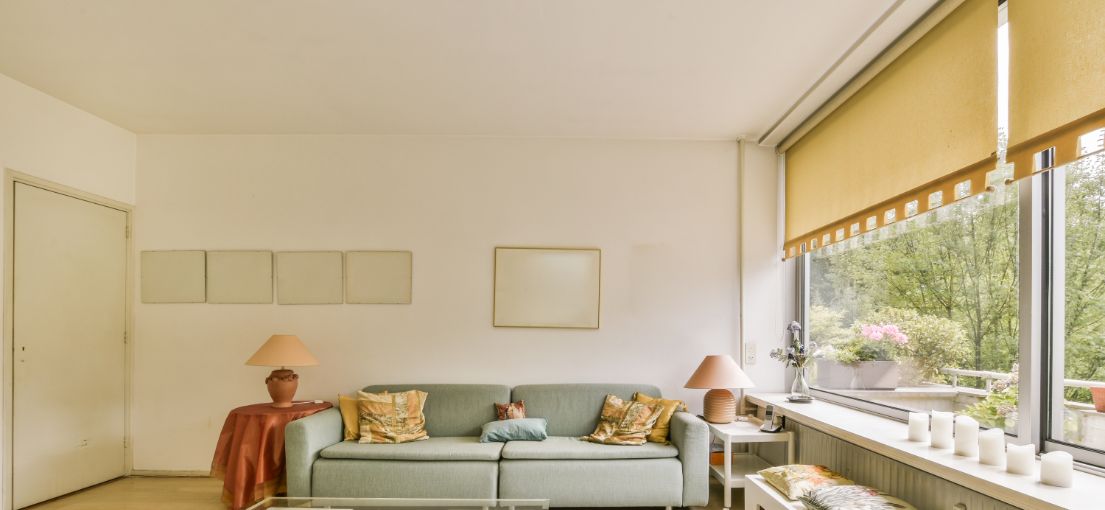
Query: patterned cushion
x=511, y=410
x=659, y=433
x=853, y=497
x=797, y=480
x=392, y=418
x=624, y=422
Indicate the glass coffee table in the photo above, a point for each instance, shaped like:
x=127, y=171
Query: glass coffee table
x=280, y=503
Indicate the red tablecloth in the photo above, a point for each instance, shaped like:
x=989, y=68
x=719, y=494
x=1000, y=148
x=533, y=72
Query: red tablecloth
x=249, y=458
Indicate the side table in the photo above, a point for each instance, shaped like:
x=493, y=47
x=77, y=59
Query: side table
x=734, y=468
x=249, y=457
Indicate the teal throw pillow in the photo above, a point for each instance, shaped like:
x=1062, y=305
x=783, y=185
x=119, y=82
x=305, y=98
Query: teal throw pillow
x=517, y=429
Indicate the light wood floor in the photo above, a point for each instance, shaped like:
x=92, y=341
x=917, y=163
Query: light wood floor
x=150, y=493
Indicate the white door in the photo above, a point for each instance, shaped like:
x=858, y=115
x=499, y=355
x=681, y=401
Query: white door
x=69, y=322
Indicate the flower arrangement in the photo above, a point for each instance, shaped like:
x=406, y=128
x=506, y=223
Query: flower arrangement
x=872, y=342
x=798, y=353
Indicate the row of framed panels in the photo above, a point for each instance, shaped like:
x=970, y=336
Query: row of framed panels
x=301, y=277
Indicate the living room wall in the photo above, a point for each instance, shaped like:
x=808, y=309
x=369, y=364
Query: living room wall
x=664, y=214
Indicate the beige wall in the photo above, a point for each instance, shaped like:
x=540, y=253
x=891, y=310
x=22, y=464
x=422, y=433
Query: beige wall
x=663, y=212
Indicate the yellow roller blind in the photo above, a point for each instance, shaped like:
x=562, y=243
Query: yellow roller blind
x=925, y=123
x=1057, y=78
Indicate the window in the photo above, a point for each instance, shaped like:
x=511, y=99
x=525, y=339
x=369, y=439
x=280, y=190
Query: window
x=1077, y=354
x=924, y=314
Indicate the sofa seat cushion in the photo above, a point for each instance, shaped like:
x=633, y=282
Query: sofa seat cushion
x=434, y=448
x=572, y=448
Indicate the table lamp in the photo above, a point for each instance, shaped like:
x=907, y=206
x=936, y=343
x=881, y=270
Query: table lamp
x=282, y=351
x=718, y=373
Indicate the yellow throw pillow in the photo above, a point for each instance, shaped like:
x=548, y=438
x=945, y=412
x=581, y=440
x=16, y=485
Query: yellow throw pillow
x=660, y=432
x=350, y=417
x=798, y=480
x=392, y=418
x=624, y=423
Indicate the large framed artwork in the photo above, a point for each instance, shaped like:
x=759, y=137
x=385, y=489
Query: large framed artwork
x=547, y=287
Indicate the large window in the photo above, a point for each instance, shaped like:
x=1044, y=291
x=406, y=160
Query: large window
x=924, y=314
x=1077, y=354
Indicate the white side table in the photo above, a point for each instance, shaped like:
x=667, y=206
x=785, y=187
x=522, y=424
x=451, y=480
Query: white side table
x=732, y=472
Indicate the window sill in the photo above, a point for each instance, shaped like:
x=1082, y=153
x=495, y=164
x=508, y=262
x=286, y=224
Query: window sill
x=888, y=438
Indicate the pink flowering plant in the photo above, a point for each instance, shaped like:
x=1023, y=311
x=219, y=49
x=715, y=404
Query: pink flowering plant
x=872, y=342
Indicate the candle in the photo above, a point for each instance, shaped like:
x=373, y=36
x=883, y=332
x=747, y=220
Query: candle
x=1057, y=468
x=991, y=447
x=1019, y=458
x=918, y=427
x=966, y=436
x=942, y=429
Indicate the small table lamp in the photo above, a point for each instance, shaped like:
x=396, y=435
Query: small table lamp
x=718, y=373
x=282, y=351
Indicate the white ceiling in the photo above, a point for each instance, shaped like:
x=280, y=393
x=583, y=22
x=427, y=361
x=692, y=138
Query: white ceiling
x=719, y=69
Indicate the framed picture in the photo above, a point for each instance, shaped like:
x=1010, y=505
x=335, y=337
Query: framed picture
x=547, y=287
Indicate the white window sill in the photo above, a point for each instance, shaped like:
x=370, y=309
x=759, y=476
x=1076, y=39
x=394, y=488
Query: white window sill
x=888, y=438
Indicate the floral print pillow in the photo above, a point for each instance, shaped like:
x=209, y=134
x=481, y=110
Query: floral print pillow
x=624, y=422
x=798, y=480
x=511, y=410
x=852, y=497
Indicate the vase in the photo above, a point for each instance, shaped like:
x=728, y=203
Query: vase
x=800, y=386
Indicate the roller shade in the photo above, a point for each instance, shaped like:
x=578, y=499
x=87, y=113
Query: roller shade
x=927, y=123
x=1057, y=79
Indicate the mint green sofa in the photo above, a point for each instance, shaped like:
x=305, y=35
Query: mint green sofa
x=452, y=463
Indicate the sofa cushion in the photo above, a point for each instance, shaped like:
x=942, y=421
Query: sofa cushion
x=455, y=409
x=573, y=448
x=572, y=409
x=434, y=448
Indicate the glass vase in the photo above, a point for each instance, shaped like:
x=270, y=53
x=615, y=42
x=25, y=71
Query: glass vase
x=800, y=386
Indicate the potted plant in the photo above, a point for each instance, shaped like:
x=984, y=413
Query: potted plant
x=868, y=361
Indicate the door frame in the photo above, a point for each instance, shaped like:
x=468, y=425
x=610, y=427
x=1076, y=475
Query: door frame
x=11, y=177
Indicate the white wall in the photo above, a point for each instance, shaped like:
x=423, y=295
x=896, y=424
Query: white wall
x=663, y=212
x=763, y=286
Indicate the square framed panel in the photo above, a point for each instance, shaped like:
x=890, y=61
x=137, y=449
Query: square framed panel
x=236, y=277
x=547, y=287
x=173, y=276
x=378, y=277
x=309, y=277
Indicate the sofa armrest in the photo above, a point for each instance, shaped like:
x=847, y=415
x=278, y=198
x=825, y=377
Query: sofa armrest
x=692, y=437
x=303, y=440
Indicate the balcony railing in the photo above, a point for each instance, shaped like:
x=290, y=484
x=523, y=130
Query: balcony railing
x=989, y=378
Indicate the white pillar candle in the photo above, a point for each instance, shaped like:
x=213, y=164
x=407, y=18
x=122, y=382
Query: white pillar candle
x=942, y=429
x=1057, y=468
x=918, y=427
x=1019, y=458
x=991, y=447
x=966, y=436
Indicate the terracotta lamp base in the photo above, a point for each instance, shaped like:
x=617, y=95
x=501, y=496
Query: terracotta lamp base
x=282, y=385
x=719, y=406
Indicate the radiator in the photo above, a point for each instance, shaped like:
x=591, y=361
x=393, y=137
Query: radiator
x=923, y=490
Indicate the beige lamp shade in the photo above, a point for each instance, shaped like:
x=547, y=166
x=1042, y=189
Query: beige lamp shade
x=719, y=371
x=283, y=351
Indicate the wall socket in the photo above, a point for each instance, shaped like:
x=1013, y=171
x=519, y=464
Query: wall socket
x=749, y=354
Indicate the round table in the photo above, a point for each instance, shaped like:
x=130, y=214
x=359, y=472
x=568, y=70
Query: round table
x=249, y=457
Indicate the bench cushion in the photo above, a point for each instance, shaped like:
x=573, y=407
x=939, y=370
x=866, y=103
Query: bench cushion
x=434, y=448
x=571, y=448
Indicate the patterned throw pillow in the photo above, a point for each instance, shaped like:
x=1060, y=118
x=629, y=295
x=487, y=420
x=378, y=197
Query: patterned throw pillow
x=624, y=423
x=797, y=480
x=392, y=418
x=659, y=433
x=853, y=497
x=511, y=410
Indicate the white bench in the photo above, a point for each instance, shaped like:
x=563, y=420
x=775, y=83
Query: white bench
x=760, y=495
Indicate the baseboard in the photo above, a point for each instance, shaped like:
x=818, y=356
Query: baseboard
x=168, y=473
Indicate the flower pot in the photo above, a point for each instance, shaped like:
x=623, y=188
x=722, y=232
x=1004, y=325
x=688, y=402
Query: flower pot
x=865, y=375
x=1098, y=399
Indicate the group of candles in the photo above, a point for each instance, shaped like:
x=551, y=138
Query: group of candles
x=962, y=434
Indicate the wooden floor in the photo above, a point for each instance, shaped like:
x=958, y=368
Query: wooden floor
x=149, y=493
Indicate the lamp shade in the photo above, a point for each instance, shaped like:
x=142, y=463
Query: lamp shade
x=283, y=351
x=719, y=371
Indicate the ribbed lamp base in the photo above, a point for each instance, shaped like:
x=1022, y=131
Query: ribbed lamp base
x=719, y=406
